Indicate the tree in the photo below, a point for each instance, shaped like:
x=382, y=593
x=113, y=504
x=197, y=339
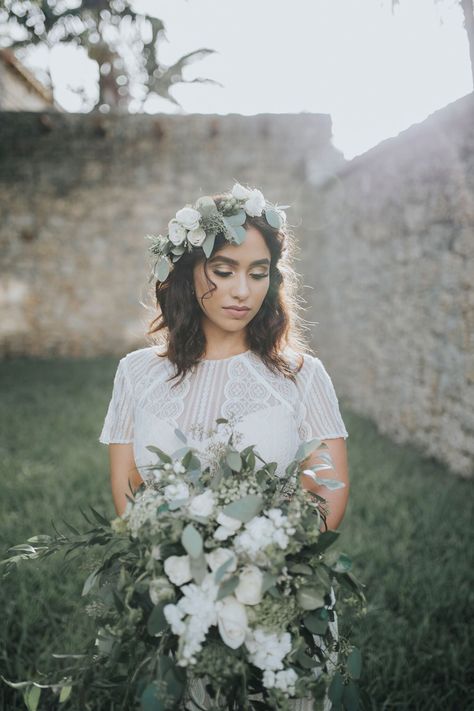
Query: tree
x=467, y=7
x=122, y=42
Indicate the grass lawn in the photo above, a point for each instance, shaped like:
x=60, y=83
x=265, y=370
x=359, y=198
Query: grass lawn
x=408, y=529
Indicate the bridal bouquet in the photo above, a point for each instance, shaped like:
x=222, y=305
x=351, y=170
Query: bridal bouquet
x=218, y=577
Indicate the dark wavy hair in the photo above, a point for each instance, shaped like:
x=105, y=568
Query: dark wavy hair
x=277, y=324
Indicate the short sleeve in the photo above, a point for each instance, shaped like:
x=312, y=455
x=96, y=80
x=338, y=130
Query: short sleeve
x=118, y=425
x=320, y=417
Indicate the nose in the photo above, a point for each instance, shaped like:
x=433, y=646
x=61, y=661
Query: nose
x=240, y=287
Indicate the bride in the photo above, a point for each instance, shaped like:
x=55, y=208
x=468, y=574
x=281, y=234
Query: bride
x=227, y=344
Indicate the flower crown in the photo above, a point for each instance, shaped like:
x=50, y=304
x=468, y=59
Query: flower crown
x=197, y=226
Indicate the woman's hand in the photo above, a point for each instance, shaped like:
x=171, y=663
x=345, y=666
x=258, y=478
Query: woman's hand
x=337, y=499
x=123, y=474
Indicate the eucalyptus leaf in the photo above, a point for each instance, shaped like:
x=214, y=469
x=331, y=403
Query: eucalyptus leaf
x=192, y=541
x=162, y=269
x=273, y=218
x=237, y=219
x=268, y=581
x=90, y=582
x=245, y=508
x=234, y=460
x=221, y=570
x=208, y=244
x=227, y=587
x=31, y=697
x=310, y=598
x=180, y=435
x=336, y=688
x=354, y=663
x=65, y=693
x=157, y=622
x=315, y=623
x=162, y=455
x=206, y=206
x=350, y=696
x=306, y=448
x=151, y=699
x=198, y=568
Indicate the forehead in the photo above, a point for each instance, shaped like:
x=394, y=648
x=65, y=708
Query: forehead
x=252, y=249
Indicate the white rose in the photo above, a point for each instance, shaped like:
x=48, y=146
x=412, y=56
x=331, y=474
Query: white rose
x=240, y=193
x=231, y=621
x=255, y=204
x=218, y=557
x=176, y=232
x=174, y=616
x=196, y=237
x=189, y=218
x=178, y=569
x=174, y=492
x=202, y=504
x=227, y=528
x=249, y=589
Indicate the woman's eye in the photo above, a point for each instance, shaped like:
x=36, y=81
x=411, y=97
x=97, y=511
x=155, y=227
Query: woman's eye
x=226, y=274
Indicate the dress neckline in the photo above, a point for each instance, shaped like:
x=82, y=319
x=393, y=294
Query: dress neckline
x=222, y=360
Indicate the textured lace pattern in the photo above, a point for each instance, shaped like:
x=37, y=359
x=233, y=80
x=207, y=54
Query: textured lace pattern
x=240, y=388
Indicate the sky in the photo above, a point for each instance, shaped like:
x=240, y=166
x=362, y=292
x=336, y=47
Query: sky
x=375, y=73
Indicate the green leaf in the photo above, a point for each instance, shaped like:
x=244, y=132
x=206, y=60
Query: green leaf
x=208, y=244
x=301, y=568
x=162, y=455
x=157, y=622
x=227, y=587
x=310, y=598
x=237, y=219
x=343, y=564
x=268, y=581
x=350, y=697
x=65, y=694
x=245, y=508
x=315, y=623
x=221, y=570
x=305, y=660
x=306, y=448
x=234, y=460
x=326, y=539
x=206, y=206
x=31, y=697
x=162, y=269
x=198, y=568
x=192, y=541
x=151, y=699
x=336, y=688
x=90, y=582
x=354, y=663
x=180, y=435
x=273, y=218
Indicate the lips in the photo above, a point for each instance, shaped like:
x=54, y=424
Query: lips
x=237, y=308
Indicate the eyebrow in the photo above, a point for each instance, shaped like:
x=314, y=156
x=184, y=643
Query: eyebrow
x=235, y=262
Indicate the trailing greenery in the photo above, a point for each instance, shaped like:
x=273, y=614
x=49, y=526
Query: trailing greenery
x=407, y=529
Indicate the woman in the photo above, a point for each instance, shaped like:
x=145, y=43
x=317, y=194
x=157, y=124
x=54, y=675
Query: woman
x=230, y=346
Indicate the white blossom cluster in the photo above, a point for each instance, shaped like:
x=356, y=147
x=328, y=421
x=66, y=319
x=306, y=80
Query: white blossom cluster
x=260, y=532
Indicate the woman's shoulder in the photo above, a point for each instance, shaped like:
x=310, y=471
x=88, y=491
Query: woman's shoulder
x=139, y=362
x=305, y=363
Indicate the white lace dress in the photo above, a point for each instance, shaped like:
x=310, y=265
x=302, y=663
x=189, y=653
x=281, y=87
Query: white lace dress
x=265, y=409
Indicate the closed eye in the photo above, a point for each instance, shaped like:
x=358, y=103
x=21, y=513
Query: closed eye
x=226, y=274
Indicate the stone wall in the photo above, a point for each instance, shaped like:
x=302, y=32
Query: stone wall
x=78, y=193
x=393, y=249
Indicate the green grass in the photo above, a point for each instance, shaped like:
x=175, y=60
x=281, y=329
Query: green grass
x=408, y=530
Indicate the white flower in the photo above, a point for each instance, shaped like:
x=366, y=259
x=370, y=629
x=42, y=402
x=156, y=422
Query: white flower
x=267, y=649
x=174, y=616
x=175, y=492
x=178, y=569
x=160, y=589
x=197, y=236
x=178, y=468
x=198, y=603
x=255, y=204
x=232, y=621
x=188, y=217
x=227, y=528
x=176, y=232
x=240, y=193
x=284, y=680
x=202, y=504
x=249, y=589
x=218, y=557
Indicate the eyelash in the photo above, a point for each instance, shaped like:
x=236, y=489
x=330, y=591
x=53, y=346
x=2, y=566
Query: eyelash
x=226, y=274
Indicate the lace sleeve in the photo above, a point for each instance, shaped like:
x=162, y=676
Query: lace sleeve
x=320, y=417
x=118, y=424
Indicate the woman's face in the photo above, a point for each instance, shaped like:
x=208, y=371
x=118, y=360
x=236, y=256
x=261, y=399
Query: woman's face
x=241, y=274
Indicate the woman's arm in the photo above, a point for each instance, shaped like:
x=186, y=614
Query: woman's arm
x=337, y=500
x=122, y=471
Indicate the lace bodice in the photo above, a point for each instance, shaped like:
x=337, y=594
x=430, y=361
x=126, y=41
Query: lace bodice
x=264, y=409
